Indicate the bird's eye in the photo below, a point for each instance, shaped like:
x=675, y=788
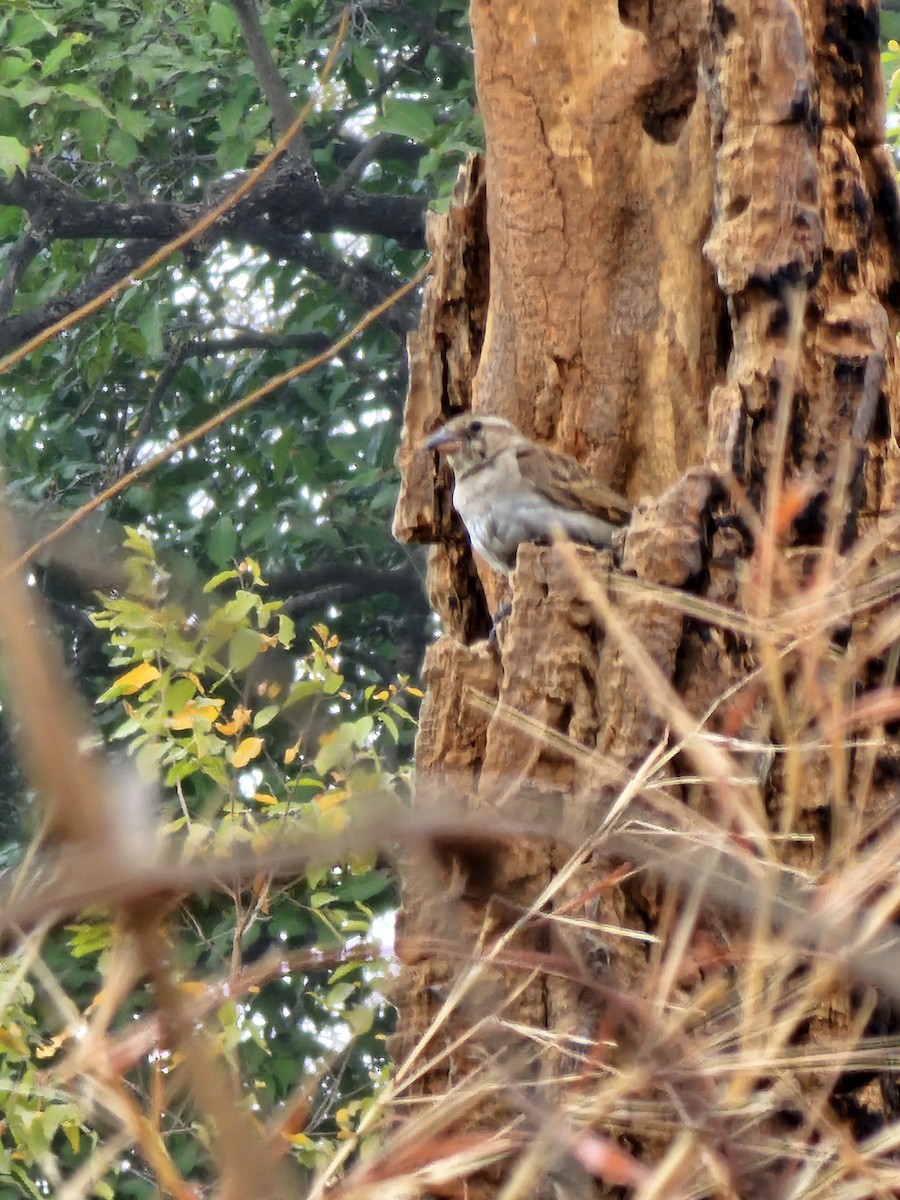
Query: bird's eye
x=475, y=427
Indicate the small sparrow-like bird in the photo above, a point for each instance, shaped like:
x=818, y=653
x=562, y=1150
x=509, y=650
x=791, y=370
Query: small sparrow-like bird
x=507, y=490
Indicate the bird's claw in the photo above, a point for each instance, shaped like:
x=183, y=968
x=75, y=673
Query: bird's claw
x=501, y=614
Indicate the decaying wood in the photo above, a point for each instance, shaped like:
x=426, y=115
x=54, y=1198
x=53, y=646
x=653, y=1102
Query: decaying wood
x=443, y=356
x=693, y=284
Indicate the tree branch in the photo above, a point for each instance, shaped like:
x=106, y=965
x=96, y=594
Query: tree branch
x=73, y=217
x=18, y=260
x=309, y=343
x=364, y=283
x=430, y=34
x=404, y=15
x=273, y=87
x=18, y=329
x=354, y=169
x=337, y=583
x=291, y=200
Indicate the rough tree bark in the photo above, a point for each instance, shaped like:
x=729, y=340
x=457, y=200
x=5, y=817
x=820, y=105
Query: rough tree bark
x=679, y=261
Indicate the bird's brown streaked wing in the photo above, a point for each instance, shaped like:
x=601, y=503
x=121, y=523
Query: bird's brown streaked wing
x=568, y=484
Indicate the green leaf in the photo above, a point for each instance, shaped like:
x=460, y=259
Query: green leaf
x=241, y=605
x=57, y=56
x=26, y=95
x=333, y=683
x=222, y=544
x=390, y=725
x=409, y=118
x=13, y=157
x=364, y=61
x=86, y=95
x=150, y=322
x=222, y=22
x=15, y=64
x=123, y=150
x=147, y=760
x=179, y=693
x=244, y=646
x=360, y=1018
x=266, y=715
x=29, y=27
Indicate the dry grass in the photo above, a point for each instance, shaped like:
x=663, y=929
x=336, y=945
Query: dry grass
x=763, y=980
x=772, y=976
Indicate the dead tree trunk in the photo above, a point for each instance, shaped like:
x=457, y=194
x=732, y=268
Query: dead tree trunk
x=658, y=801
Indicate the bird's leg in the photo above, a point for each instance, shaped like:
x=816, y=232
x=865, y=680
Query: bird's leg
x=501, y=614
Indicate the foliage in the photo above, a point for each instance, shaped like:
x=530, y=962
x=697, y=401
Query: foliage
x=121, y=123
x=890, y=58
x=257, y=741
x=35, y=1111
x=136, y=115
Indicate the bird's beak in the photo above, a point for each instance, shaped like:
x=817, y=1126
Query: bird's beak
x=444, y=442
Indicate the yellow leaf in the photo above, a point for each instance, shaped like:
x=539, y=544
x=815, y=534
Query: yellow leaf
x=251, y=566
x=290, y=754
x=417, y=692
x=265, y=798
x=194, y=710
x=132, y=681
x=382, y=695
x=329, y=799
x=247, y=750
x=333, y=822
x=48, y=1049
x=240, y=719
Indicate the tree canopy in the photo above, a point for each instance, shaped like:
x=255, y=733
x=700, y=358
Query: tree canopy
x=246, y=640
x=134, y=120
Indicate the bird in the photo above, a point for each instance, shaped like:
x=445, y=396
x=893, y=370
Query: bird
x=508, y=490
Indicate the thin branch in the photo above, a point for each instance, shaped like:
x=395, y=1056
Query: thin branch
x=402, y=14
x=23, y=253
x=273, y=87
x=429, y=33
x=309, y=343
x=364, y=283
x=384, y=85
x=175, y=361
x=354, y=169
x=337, y=583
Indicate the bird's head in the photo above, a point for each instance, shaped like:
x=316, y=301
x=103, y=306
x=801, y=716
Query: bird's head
x=468, y=440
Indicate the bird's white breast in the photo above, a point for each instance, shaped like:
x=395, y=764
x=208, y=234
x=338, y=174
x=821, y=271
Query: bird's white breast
x=501, y=508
